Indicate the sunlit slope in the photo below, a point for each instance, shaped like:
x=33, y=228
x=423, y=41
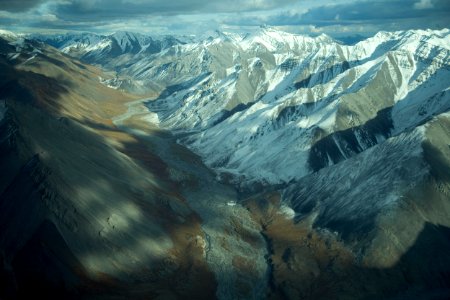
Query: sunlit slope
x=271, y=107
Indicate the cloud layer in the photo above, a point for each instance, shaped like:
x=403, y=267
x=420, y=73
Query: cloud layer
x=338, y=17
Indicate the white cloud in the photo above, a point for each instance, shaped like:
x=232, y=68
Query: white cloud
x=423, y=4
x=49, y=18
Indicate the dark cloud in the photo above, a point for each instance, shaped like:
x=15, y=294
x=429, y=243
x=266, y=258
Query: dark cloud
x=117, y=8
x=18, y=5
x=373, y=12
x=192, y=16
x=357, y=17
x=376, y=11
x=97, y=15
x=94, y=9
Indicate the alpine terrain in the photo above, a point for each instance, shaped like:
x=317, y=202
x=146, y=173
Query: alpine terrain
x=266, y=165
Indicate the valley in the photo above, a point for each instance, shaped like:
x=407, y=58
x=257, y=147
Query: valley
x=257, y=166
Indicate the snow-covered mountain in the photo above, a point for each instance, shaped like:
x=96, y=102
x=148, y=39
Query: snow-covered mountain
x=342, y=151
x=101, y=48
x=271, y=107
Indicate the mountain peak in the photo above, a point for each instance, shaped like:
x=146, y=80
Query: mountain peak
x=127, y=34
x=8, y=35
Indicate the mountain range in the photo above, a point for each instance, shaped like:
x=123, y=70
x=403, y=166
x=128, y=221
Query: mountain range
x=237, y=166
x=256, y=90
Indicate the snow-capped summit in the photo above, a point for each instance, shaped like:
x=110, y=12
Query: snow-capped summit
x=7, y=34
x=129, y=42
x=272, y=106
x=288, y=105
x=101, y=49
x=276, y=40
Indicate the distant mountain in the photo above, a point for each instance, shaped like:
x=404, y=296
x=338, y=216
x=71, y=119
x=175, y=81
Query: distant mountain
x=352, y=39
x=102, y=48
x=286, y=104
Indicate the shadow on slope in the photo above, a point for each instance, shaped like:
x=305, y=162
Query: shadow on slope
x=341, y=145
x=311, y=263
x=78, y=213
x=29, y=87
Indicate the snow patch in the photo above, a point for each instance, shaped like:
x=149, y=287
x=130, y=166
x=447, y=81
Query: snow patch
x=288, y=212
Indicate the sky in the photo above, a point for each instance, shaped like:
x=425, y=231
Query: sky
x=338, y=18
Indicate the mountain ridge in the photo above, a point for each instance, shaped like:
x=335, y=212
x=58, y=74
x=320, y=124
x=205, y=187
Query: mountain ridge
x=323, y=169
